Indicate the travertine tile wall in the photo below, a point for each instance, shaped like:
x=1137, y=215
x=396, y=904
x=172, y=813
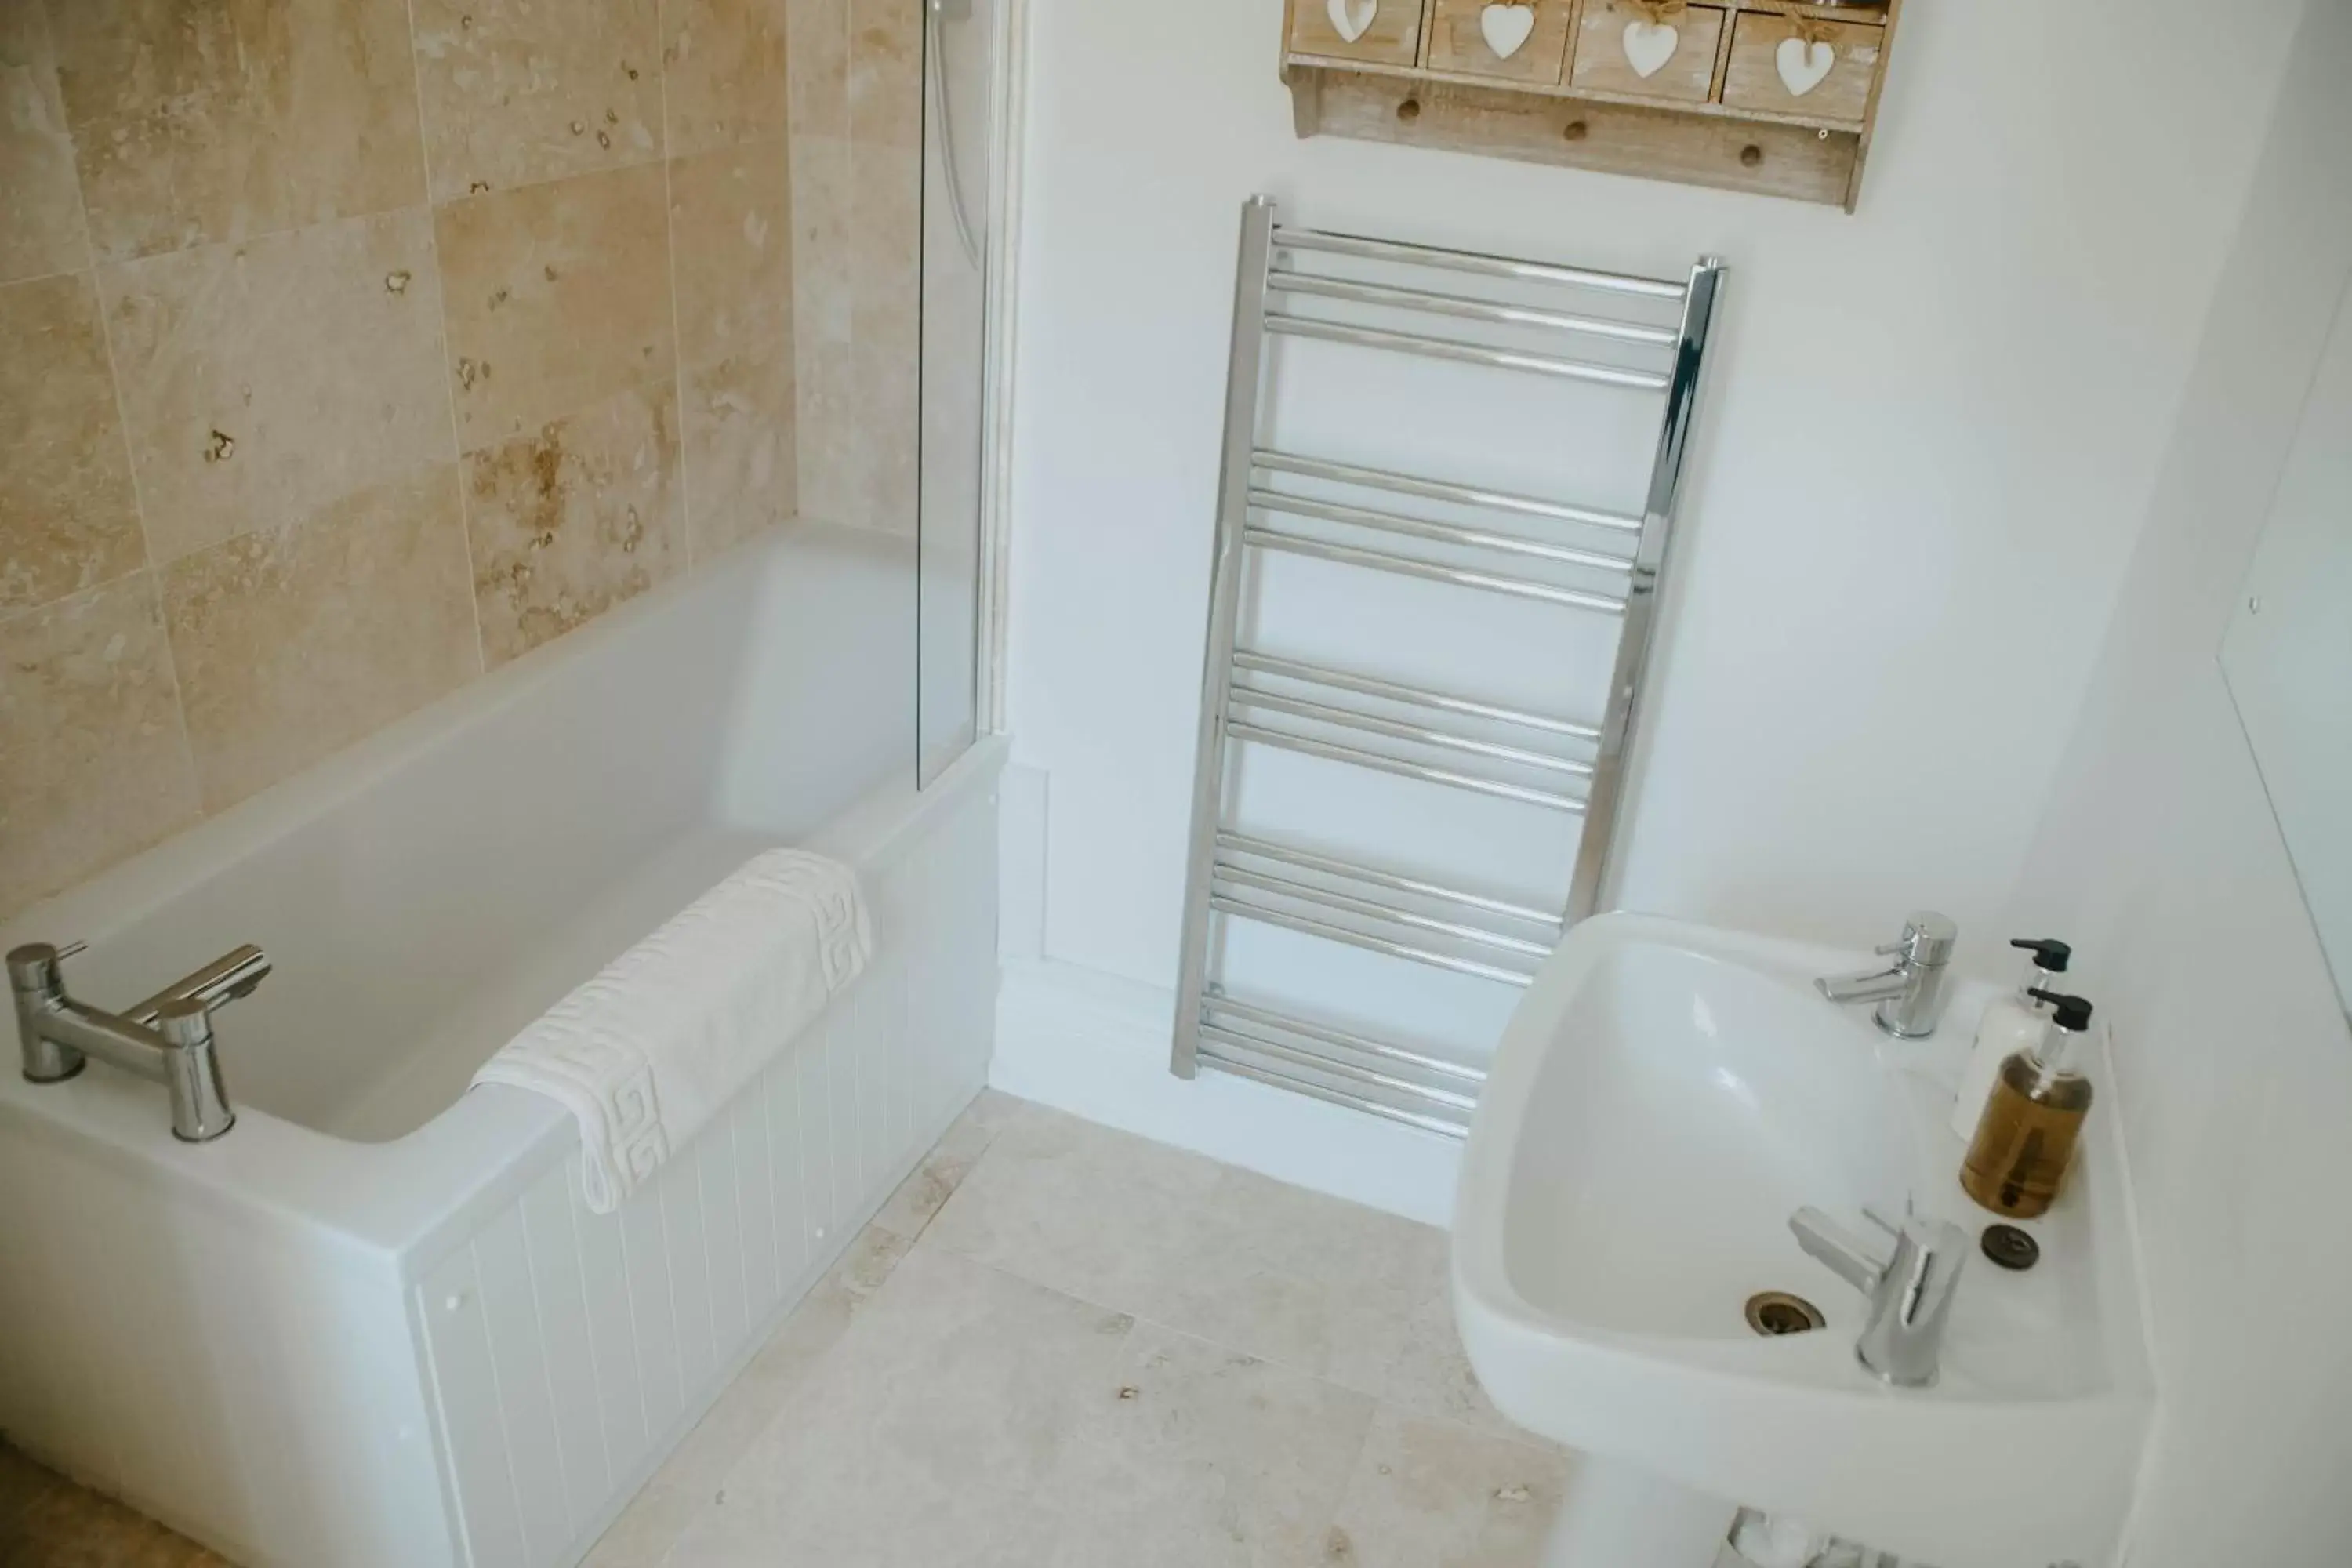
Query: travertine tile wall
x=352, y=348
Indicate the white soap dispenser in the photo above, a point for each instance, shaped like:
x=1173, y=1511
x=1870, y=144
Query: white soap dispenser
x=2011, y=1025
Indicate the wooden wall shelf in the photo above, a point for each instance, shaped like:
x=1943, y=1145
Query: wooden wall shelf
x=1748, y=95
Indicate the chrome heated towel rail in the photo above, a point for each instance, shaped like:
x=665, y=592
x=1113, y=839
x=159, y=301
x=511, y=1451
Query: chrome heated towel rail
x=1583, y=559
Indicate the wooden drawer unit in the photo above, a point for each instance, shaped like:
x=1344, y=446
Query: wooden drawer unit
x=1803, y=65
x=1665, y=52
x=1378, y=32
x=1527, y=41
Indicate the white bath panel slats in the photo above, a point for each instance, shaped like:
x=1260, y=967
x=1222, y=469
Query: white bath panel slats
x=585, y=1346
x=611, y=1326
x=472, y=1417
x=755, y=1201
x=656, y=1318
x=563, y=1329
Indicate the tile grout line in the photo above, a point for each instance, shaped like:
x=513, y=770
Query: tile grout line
x=669, y=276
x=441, y=333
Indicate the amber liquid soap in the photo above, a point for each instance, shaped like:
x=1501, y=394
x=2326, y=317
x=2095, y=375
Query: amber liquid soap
x=2018, y=1158
x=2026, y=1139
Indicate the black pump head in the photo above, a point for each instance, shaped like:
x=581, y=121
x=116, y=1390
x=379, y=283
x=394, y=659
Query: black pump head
x=2049, y=954
x=2072, y=1012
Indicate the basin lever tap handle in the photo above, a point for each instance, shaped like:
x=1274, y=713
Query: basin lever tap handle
x=1853, y=1258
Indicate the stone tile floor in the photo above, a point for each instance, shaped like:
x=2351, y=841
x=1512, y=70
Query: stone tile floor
x=1059, y=1346
x=47, y=1522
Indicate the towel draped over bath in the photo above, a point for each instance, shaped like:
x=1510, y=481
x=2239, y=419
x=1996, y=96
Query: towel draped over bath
x=657, y=1044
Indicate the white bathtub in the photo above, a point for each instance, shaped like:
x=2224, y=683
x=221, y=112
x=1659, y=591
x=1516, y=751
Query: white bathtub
x=375, y=1325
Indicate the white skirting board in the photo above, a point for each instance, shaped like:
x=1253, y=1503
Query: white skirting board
x=1096, y=1046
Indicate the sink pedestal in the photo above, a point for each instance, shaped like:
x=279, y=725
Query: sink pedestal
x=1614, y=1514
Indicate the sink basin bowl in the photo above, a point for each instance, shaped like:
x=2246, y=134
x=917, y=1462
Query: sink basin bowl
x=1662, y=1102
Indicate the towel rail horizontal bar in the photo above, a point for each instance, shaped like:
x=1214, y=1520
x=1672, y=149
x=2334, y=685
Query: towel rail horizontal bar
x=1467, y=353
x=1373, y=685
x=1342, y=1039
x=1286, y=238
x=1398, y=730
x=1441, y=532
x=1370, y=1107
x=1332, y=865
x=1339, y=1066
x=1407, y=565
x=1306, y=925
x=1242, y=729
x=1276, y=462
x=1288, y=281
x=1229, y=877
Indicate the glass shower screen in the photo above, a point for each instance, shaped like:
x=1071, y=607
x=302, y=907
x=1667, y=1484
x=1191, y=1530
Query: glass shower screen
x=959, y=46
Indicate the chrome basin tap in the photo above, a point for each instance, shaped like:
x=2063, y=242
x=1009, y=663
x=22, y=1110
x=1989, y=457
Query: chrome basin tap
x=1910, y=1292
x=1910, y=993
x=167, y=1038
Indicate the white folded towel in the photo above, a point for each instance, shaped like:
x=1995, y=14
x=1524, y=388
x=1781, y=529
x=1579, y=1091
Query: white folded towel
x=653, y=1048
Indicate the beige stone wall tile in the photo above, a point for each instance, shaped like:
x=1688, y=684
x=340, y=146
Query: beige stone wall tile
x=885, y=73
x=819, y=67
x=828, y=436
x=731, y=244
x=203, y=121
x=93, y=764
x=884, y=409
x=69, y=516
x=729, y=72
x=823, y=257
x=558, y=296
x=263, y=380
x=40, y=197
x=518, y=91
x=293, y=642
x=582, y=515
x=741, y=461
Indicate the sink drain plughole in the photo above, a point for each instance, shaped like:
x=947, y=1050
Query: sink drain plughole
x=1773, y=1314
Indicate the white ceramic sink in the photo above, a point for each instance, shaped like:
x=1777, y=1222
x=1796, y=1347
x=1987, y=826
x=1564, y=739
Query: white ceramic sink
x=1664, y=1097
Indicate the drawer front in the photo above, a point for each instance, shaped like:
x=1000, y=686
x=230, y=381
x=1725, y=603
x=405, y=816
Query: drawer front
x=1383, y=32
x=1788, y=65
x=1621, y=48
x=1526, y=41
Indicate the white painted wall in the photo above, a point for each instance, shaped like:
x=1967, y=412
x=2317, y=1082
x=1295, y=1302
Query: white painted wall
x=2159, y=856
x=1930, y=440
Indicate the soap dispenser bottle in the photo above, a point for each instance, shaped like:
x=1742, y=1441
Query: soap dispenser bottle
x=2011, y=1025
x=2018, y=1160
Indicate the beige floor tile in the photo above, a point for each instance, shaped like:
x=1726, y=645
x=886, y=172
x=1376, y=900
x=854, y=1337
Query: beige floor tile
x=1434, y=1494
x=261, y=381
x=582, y=515
x=69, y=516
x=48, y=1521
x=957, y=1395
x=1079, y=1208
x=40, y=195
x=202, y=123
x=1325, y=1287
x=1431, y=1375
x=1202, y=1457
x=516, y=92
x=93, y=762
x=924, y=1192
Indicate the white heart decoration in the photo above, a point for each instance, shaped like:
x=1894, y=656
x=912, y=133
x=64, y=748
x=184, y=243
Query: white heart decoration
x=1803, y=65
x=1352, y=16
x=1649, y=44
x=1506, y=26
